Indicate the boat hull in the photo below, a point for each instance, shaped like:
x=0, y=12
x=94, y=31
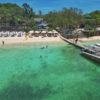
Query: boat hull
x=91, y=56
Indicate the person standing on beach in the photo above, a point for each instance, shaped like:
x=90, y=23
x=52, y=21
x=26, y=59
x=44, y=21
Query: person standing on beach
x=3, y=42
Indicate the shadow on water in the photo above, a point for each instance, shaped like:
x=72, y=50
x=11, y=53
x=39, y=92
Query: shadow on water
x=87, y=96
x=43, y=61
x=25, y=92
x=92, y=61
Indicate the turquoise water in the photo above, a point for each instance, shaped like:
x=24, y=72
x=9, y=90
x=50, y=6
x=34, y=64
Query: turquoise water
x=91, y=42
x=54, y=73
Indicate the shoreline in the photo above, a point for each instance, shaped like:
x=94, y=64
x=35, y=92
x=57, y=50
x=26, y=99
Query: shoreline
x=85, y=40
x=33, y=40
x=90, y=39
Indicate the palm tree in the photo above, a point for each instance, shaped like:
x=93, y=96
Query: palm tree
x=40, y=13
x=28, y=11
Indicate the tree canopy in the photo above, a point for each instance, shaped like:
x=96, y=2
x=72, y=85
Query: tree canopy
x=65, y=17
x=12, y=14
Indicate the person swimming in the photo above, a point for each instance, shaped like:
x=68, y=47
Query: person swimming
x=40, y=56
x=46, y=46
x=42, y=48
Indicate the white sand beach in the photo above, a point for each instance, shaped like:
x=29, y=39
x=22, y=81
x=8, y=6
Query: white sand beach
x=23, y=40
x=94, y=38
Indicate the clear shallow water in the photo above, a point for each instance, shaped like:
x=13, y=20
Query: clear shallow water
x=91, y=42
x=55, y=73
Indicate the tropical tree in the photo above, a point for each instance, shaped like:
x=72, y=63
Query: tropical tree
x=65, y=18
x=28, y=11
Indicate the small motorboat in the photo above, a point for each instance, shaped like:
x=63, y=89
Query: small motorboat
x=97, y=44
x=93, y=55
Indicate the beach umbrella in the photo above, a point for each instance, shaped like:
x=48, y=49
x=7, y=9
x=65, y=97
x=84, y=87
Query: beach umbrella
x=54, y=31
x=98, y=28
x=5, y=34
x=50, y=32
x=31, y=32
x=37, y=32
x=44, y=32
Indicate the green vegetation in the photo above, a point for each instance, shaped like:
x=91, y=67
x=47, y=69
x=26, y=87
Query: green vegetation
x=23, y=17
x=14, y=15
x=65, y=18
x=92, y=19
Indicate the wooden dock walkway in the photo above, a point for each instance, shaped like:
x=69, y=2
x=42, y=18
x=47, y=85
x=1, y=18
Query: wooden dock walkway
x=70, y=42
x=91, y=54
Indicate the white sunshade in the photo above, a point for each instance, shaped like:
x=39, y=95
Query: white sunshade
x=37, y=32
x=54, y=31
x=4, y=33
x=50, y=32
x=31, y=31
x=44, y=32
x=98, y=28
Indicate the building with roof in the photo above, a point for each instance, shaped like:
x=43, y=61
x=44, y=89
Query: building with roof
x=40, y=23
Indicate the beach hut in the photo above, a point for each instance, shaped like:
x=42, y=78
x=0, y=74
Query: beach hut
x=89, y=33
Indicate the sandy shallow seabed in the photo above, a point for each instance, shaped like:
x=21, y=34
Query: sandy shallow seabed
x=57, y=72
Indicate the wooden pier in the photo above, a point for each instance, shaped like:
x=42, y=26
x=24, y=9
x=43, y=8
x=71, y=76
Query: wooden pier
x=70, y=42
x=91, y=54
x=75, y=44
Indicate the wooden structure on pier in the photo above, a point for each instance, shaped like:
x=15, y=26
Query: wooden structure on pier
x=90, y=33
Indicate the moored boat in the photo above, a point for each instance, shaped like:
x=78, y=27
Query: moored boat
x=95, y=56
x=97, y=44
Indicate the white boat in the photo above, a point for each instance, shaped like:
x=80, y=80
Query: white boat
x=97, y=44
x=92, y=56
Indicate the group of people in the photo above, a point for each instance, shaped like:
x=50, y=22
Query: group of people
x=44, y=47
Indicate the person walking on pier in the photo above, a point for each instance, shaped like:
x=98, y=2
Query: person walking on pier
x=76, y=40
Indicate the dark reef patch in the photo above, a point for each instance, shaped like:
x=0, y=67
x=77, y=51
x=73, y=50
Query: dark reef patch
x=25, y=92
x=17, y=92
